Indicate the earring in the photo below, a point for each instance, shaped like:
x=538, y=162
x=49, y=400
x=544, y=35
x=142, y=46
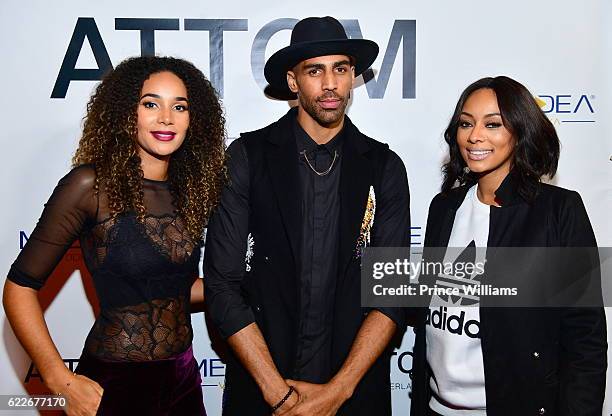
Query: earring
x=464, y=174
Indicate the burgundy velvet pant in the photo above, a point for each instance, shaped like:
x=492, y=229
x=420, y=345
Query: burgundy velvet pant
x=166, y=387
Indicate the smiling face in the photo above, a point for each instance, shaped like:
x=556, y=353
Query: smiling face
x=323, y=85
x=485, y=143
x=163, y=116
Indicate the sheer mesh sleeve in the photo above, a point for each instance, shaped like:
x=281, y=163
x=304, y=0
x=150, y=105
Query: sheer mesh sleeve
x=72, y=204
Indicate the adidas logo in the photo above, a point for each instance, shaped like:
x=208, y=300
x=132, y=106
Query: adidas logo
x=454, y=324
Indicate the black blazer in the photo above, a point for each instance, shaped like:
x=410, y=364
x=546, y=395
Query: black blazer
x=547, y=361
x=270, y=290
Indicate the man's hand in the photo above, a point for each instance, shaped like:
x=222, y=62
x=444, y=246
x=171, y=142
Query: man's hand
x=325, y=399
x=289, y=404
x=317, y=399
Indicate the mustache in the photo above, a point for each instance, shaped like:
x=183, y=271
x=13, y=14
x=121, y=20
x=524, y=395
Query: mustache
x=330, y=95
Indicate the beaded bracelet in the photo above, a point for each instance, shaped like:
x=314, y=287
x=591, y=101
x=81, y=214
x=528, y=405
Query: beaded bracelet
x=279, y=404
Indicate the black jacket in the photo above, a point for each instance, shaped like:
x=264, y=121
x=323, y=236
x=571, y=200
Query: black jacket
x=548, y=361
x=268, y=293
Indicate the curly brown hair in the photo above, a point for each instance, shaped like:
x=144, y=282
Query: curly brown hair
x=196, y=172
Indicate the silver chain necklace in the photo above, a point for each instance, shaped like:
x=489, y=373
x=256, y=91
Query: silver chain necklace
x=326, y=171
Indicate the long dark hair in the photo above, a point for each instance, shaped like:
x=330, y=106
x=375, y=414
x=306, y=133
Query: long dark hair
x=537, y=145
x=197, y=169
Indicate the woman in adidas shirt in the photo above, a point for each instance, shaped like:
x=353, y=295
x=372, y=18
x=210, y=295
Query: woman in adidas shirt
x=513, y=360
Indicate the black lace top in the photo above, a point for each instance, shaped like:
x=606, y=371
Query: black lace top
x=142, y=272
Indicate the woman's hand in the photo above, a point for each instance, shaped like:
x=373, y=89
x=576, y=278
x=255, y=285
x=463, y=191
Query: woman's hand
x=83, y=395
x=26, y=316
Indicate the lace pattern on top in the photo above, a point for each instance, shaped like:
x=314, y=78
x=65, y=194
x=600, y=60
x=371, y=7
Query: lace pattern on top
x=142, y=271
x=150, y=331
x=169, y=235
x=159, y=327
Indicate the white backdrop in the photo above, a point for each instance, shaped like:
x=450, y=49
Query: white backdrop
x=561, y=50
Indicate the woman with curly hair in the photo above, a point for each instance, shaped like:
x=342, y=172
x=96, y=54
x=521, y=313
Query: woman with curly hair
x=148, y=171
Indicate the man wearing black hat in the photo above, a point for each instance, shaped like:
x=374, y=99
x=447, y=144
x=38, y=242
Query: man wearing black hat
x=306, y=195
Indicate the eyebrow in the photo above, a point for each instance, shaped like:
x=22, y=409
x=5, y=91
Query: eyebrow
x=486, y=115
x=340, y=63
x=314, y=66
x=159, y=97
x=322, y=66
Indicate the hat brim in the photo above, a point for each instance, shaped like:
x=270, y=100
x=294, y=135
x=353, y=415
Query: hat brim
x=363, y=51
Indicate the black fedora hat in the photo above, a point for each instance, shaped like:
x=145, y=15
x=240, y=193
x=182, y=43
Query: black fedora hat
x=312, y=37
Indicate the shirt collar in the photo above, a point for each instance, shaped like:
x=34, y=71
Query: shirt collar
x=305, y=142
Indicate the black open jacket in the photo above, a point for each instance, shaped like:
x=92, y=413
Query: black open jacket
x=268, y=293
x=548, y=361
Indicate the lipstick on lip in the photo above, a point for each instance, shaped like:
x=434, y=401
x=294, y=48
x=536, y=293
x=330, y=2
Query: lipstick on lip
x=164, y=136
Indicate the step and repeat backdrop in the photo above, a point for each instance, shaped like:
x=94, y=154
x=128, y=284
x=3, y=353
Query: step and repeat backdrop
x=54, y=53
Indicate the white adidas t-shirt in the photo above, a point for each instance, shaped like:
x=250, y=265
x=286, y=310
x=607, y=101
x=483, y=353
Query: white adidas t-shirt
x=454, y=351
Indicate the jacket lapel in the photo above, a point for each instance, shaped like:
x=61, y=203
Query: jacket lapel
x=448, y=218
x=356, y=177
x=282, y=162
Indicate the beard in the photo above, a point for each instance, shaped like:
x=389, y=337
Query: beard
x=325, y=117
